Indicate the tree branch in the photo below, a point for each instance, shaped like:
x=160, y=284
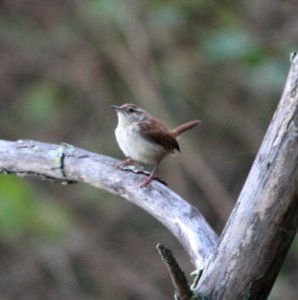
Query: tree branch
x=67, y=164
x=182, y=289
x=264, y=221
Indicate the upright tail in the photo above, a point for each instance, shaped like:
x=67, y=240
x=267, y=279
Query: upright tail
x=184, y=127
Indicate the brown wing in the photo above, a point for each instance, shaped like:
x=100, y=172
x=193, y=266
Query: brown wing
x=158, y=133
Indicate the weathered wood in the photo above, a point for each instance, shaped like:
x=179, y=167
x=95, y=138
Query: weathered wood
x=259, y=231
x=179, y=280
x=65, y=163
x=264, y=221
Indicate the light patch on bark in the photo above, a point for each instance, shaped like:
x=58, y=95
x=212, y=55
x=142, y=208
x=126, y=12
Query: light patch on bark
x=248, y=236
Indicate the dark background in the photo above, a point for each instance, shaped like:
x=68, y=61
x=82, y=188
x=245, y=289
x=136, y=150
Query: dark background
x=64, y=62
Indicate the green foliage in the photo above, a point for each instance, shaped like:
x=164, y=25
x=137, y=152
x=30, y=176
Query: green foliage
x=63, y=63
x=167, y=15
x=228, y=44
x=41, y=105
x=268, y=74
x=111, y=10
x=24, y=212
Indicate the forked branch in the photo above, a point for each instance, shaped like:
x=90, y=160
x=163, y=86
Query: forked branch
x=260, y=229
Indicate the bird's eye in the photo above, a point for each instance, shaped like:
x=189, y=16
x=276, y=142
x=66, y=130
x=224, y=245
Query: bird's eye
x=131, y=110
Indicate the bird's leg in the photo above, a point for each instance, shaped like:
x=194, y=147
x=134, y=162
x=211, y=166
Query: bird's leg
x=124, y=163
x=151, y=176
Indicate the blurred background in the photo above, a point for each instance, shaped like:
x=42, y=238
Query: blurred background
x=64, y=62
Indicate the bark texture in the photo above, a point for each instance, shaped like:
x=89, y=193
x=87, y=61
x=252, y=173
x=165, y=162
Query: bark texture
x=264, y=221
x=66, y=164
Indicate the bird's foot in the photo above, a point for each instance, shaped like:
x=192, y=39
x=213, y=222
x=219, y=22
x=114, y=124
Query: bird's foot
x=150, y=178
x=124, y=163
x=146, y=182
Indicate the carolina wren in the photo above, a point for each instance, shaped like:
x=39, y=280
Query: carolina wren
x=144, y=139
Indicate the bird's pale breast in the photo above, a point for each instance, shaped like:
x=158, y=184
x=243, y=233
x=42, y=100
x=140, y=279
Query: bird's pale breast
x=135, y=146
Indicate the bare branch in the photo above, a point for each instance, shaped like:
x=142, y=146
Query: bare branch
x=66, y=164
x=264, y=221
x=179, y=280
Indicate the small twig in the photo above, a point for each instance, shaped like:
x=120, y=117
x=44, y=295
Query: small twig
x=179, y=280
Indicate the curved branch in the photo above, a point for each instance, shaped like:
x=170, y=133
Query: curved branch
x=66, y=164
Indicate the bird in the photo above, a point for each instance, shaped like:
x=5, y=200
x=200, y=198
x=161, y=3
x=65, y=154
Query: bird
x=144, y=139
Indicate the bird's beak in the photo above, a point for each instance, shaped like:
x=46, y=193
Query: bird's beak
x=117, y=108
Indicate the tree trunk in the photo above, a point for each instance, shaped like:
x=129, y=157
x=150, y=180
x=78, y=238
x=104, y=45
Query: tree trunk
x=259, y=231
x=264, y=221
